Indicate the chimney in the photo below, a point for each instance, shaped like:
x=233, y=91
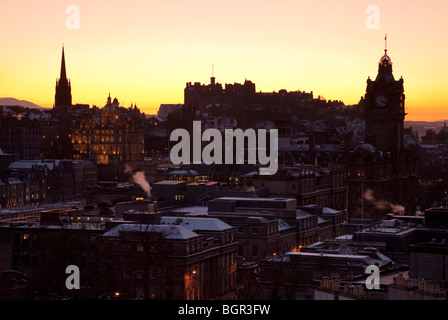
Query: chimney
x=152, y=206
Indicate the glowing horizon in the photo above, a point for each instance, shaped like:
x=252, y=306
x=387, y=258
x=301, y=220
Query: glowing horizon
x=145, y=52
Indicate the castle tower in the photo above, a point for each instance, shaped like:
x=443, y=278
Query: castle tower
x=63, y=96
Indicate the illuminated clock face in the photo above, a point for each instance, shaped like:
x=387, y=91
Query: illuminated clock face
x=381, y=101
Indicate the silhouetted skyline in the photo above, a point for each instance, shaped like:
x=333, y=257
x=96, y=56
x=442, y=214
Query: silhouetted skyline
x=145, y=52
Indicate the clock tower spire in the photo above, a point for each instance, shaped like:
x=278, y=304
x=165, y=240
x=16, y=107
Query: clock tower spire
x=382, y=171
x=383, y=110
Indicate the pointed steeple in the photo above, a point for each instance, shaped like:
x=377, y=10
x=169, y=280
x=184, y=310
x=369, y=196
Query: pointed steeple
x=63, y=96
x=63, y=72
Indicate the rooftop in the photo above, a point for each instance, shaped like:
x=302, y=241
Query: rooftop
x=193, y=210
x=29, y=164
x=389, y=230
x=195, y=223
x=330, y=255
x=170, y=231
x=169, y=182
x=256, y=199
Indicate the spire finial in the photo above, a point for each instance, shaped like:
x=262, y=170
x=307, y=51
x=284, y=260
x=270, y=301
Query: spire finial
x=63, y=72
x=385, y=43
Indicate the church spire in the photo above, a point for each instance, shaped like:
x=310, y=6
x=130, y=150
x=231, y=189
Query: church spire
x=63, y=96
x=63, y=72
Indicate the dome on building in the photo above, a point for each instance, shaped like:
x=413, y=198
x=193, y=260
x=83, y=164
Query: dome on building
x=366, y=147
x=111, y=105
x=385, y=69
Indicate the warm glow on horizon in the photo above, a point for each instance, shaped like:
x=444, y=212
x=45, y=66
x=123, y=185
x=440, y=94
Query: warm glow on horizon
x=144, y=52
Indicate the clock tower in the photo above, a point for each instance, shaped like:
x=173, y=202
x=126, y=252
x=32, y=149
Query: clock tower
x=383, y=110
x=382, y=170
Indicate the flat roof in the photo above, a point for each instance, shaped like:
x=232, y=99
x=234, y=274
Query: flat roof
x=330, y=210
x=197, y=223
x=168, y=182
x=329, y=255
x=207, y=183
x=200, y=210
x=389, y=230
x=255, y=199
x=170, y=231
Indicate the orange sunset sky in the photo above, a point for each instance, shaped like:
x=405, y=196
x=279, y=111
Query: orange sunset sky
x=144, y=51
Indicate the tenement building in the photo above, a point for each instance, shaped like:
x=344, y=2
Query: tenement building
x=180, y=258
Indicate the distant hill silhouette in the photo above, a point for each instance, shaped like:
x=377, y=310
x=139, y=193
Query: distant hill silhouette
x=22, y=103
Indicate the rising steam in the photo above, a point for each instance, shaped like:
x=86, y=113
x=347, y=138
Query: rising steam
x=383, y=204
x=139, y=178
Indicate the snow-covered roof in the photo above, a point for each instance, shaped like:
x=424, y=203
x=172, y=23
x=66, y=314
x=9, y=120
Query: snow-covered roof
x=302, y=214
x=181, y=172
x=196, y=223
x=283, y=225
x=321, y=220
x=428, y=146
x=14, y=181
x=29, y=164
x=345, y=237
x=368, y=147
x=193, y=210
x=207, y=183
x=255, y=199
x=330, y=210
x=168, y=182
x=34, y=116
x=250, y=174
x=331, y=255
x=170, y=231
x=343, y=249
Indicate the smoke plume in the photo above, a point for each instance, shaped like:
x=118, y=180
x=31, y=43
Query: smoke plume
x=383, y=204
x=139, y=178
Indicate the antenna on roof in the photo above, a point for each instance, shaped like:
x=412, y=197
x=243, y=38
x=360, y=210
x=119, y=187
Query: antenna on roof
x=385, y=43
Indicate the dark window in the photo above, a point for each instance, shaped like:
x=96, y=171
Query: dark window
x=240, y=251
x=254, y=251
